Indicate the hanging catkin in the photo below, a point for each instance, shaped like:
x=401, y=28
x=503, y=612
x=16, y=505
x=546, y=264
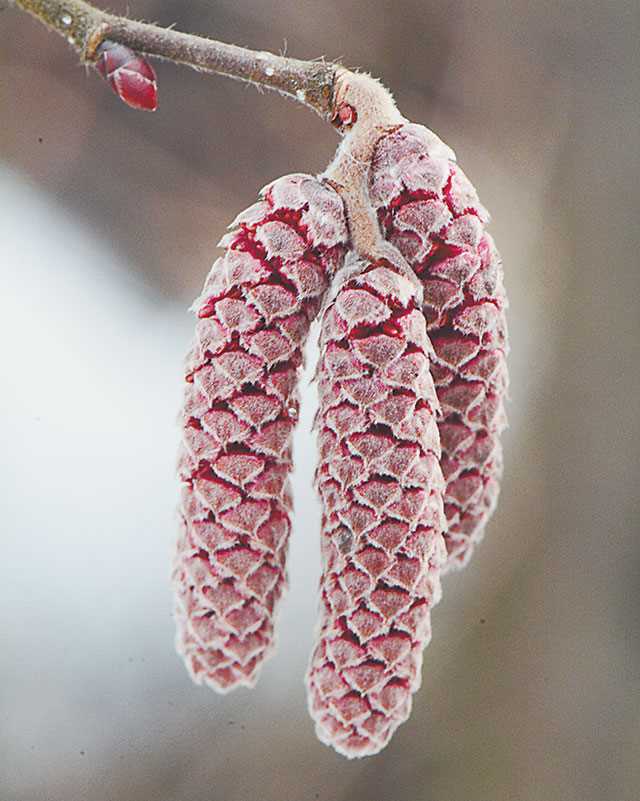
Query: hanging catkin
x=240, y=409
x=381, y=488
x=430, y=211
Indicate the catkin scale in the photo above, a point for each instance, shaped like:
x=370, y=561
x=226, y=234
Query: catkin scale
x=240, y=409
x=428, y=209
x=381, y=487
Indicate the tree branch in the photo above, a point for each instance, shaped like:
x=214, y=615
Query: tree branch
x=86, y=28
x=356, y=104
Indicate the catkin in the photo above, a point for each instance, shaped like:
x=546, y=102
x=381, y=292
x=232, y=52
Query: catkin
x=381, y=487
x=240, y=408
x=428, y=209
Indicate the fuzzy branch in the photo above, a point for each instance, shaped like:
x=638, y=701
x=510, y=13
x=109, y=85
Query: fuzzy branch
x=86, y=28
x=356, y=104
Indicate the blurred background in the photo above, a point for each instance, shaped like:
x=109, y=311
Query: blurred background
x=108, y=224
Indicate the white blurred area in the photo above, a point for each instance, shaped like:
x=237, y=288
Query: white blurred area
x=89, y=394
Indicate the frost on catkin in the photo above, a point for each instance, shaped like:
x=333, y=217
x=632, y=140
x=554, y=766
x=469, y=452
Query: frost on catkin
x=428, y=208
x=381, y=487
x=240, y=409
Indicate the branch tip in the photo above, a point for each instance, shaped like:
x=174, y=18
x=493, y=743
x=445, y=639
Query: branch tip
x=86, y=28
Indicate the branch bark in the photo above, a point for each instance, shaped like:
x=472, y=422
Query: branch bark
x=355, y=103
x=85, y=27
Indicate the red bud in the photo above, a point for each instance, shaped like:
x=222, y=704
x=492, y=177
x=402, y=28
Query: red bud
x=130, y=75
x=345, y=116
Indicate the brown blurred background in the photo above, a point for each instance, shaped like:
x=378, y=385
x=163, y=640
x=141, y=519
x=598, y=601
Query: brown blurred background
x=108, y=225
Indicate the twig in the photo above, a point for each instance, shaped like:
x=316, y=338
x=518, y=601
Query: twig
x=356, y=104
x=86, y=27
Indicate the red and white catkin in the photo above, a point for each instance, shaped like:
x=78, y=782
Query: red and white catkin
x=240, y=408
x=428, y=208
x=381, y=486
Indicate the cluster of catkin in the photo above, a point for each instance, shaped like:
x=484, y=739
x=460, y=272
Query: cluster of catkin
x=412, y=378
